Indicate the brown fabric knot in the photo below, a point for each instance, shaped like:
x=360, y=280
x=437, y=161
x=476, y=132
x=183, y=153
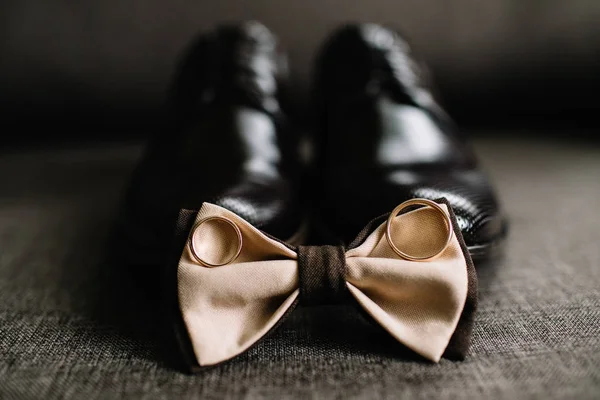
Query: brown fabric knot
x=322, y=271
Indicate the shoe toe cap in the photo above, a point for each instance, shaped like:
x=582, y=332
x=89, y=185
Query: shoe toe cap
x=478, y=212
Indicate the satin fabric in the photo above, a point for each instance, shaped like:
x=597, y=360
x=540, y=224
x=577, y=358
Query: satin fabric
x=228, y=309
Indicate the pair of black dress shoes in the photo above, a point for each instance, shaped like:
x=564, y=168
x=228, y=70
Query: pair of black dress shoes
x=381, y=139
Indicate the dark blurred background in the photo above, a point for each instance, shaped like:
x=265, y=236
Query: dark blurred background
x=104, y=66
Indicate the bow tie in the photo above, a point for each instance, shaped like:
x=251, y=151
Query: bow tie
x=236, y=283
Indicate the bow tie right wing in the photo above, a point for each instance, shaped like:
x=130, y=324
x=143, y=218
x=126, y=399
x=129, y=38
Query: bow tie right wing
x=418, y=302
x=226, y=309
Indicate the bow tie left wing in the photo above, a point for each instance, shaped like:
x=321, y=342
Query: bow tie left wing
x=228, y=308
x=418, y=302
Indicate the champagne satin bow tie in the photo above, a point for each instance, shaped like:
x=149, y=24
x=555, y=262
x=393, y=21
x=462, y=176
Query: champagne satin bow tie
x=235, y=283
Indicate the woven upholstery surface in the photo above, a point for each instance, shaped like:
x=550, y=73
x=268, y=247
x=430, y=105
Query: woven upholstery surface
x=73, y=325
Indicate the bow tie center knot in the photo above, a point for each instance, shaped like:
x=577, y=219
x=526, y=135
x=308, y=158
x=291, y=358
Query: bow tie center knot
x=322, y=273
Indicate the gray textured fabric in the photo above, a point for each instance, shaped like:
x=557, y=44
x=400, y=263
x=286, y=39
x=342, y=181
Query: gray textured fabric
x=72, y=326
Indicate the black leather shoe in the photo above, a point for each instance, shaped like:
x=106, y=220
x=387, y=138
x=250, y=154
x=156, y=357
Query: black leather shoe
x=227, y=142
x=384, y=139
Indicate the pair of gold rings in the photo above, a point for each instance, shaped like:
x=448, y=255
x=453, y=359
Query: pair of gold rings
x=388, y=234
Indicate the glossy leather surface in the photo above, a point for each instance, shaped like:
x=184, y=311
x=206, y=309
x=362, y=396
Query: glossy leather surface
x=384, y=139
x=227, y=143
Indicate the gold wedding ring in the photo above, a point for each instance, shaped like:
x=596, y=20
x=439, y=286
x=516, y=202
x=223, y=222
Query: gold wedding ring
x=418, y=202
x=195, y=252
